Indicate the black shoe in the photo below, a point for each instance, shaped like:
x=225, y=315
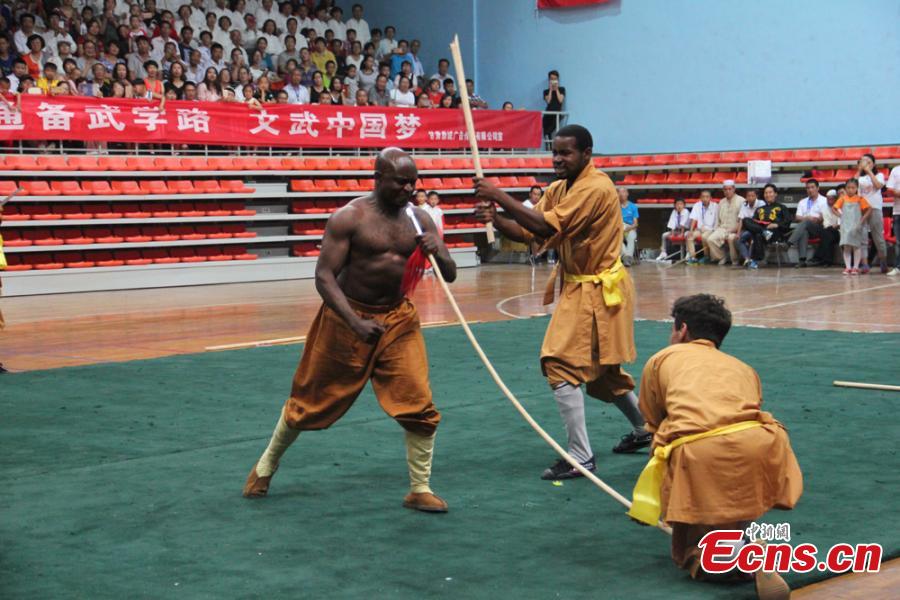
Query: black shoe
x=800, y=265
x=561, y=469
x=816, y=263
x=2, y=370
x=632, y=442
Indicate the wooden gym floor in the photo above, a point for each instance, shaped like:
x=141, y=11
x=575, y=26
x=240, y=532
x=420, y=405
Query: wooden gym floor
x=45, y=332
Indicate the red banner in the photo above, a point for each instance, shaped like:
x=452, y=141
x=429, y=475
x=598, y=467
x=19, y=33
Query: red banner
x=567, y=3
x=300, y=125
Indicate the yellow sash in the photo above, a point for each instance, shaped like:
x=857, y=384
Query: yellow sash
x=646, y=504
x=2, y=256
x=609, y=278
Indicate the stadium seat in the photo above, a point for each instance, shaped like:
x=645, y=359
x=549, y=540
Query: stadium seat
x=781, y=156
x=11, y=213
x=806, y=155
x=245, y=164
x=16, y=162
x=700, y=177
x=42, y=261
x=72, y=236
x=46, y=162
x=268, y=164
x=239, y=253
x=305, y=249
x=844, y=174
x=67, y=187
x=508, y=182
x=159, y=233
x=685, y=158
x=440, y=164
x=131, y=234
x=159, y=256
x=71, y=211
x=139, y=163
x=511, y=163
x=212, y=209
x=131, y=210
x=158, y=210
x=721, y=177
x=186, y=232
x=169, y=163
x=112, y=163
x=326, y=185
x=303, y=185
x=186, y=255
x=237, y=230
x=126, y=188
x=220, y=163
x=153, y=186
x=38, y=188
x=453, y=183
x=98, y=188
x=528, y=181
x=103, y=235
x=655, y=178
x=104, y=258
x=41, y=237
x=12, y=238
x=758, y=155
x=890, y=236
x=100, y=210
x=235, y=186
x=132, y=258
x=709, y=157
x=678, y=177
x=73, y=260
x=293, y=164
x=8, y=187
x=212, y=232
x=15, y=263
x=633, y=179
x=213, y=253
x=38, y=212
x=460, y=164
x=662, y=159
x=189, y=209
x=238, y=209
x=192, y=164
x=83, y=163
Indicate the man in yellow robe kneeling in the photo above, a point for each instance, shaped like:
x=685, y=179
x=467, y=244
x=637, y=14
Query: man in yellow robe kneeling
x=718, y=460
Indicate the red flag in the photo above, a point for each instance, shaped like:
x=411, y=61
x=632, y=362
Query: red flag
x=415, y=269
x=567, y=3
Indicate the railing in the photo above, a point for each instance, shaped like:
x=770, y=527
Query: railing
x=558, y=119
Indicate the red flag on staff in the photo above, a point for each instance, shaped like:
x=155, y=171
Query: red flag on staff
x=567, y=3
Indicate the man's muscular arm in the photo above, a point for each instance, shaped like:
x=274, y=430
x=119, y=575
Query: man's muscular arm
x=432, y=244
x=335, y=250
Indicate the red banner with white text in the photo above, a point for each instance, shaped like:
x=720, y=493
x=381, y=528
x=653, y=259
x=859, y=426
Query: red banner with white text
x=300, y=125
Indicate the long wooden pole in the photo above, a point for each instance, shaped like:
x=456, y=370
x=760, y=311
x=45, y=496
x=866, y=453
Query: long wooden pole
x=467, y=114
x=509, y=395
x=868, y=386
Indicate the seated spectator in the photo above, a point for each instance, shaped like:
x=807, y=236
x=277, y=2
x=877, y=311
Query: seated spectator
x=748, y=209
x=447, y=101
x=726, y=224
x=176, y=80
x=22, y=38
x=5, y=87
x=703, y=222
x=241, y=79
x=137, y=58
x=336, y=23
x=110, y=56
x=379, y=95
x=387, y=46
x=34, y=56
x=120, y=74
x=399, y=56
x=770, y=223
x=195, y=72
x=376, y=44
x=264, y=93
x=362, y=97
x=330, y=73
x=893, y=184
x=152, y=83
x=422, y=101
x=318, y=88
x=321, y=55
x=508, y=106
x=435, y=92
x=367, y=74
x=350, y=80
x=320, y=22
x=138, y=89
x=475, y=101
x=854, y=211
x=534, y=196
x=677, y=226
x=355, y=56
x=20, y=70
x=64, y=53
x=51, y=84
x=830, y=235
x=297, y=93
x=282, y=98
x=273, y=41
x=434, y=211
x=402, y=95
x=258, y=66
x=170, y=57
x=336, y=90
x=294, y=31
x=210, y=90
x=443, y=72
x=384, y=69
x=290, y=52
x=190, y=91
x=405, y=71
x=359, y=24
x=630, y=219
x=418, y=69
x=306, y=67
x=450, y=90
x=7, y=55
x=809, y=218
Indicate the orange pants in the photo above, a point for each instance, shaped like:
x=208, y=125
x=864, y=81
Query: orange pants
x=686, y=554
x=336, y=365
x=605, y=383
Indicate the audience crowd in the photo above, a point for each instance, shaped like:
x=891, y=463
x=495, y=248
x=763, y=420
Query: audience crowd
x=252, y=51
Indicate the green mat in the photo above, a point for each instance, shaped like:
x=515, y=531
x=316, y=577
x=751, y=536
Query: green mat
x=123, y=480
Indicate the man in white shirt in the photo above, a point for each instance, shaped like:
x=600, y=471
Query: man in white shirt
x=158, y=44
x=267, y=11
x=748, y=209
x=195, y=70
x=443, y=71
x=251, y=32
x=236, y=41
x=418, y=69
x=197, y=20
x=359, y=24
x=808, y=218
x=320, y=23
x=703, y=222
x=831, y=233
x=893, y=184
x=222, y=34
x=336, y=23
x=56, y=34
x=26, y=30
x=284, y=13
x=303, y=20
x=726, y=224
x=679, y=221
x=388, y=44
x=297, y=93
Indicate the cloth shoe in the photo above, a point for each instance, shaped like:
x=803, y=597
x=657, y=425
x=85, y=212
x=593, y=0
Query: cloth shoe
x=561, y=469
x=256, y=486
x=425, y=502
x=631, y=442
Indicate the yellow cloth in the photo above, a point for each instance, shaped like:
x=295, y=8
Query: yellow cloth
x=646, y=503
x=609, y=278
x=2, y=256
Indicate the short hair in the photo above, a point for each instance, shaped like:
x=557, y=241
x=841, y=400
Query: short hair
x=705, y=315
x=320, y=39
x=812, y=180
x=20, y=61
x=137, y=82
x=770, y=185
x=472, y=81
x=433, y=193
x=450, y=81
x=852, y=180
x=536, y=187
x=707, y=192
x=444, y=60
x=552, y=73
x=677, y=200
x=151, y=62
x=219, y=46
x=583, y=138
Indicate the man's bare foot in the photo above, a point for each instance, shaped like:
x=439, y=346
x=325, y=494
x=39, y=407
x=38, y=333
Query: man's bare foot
x=256, y=486
x=426, y=502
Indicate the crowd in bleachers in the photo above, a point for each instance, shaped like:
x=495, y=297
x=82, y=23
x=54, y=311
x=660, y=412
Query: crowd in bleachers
x=252, y=51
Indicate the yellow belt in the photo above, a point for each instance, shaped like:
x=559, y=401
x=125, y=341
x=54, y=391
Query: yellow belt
x=609, y=278
x=646, y=504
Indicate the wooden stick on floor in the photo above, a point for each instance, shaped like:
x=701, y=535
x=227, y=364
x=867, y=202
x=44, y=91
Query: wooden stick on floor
x=467, y=114
x=868, y=386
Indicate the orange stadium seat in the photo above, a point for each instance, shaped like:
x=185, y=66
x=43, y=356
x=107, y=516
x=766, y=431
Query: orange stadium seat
x=139, y=163
x=16, y=162
x=153, y=186
x=655, y=178
x=238, y=209
x=103, y=235
x=159, y=256
x=125, y=188
x=167, y=163
x=131, y=234
x=220, y=163
x=678, y=177
x=159, y=233
x=132, y=258
x=303, y=185
x=98, y=188
x=12, y=238
x=15, y=263
x=700, y=178
x=186, y=232
x=186, y=255
x=112, y=163
x=238, y=230
x=83, y=163
x=52, y=163
x=41, y=237
x=805, y=155
x=73, y=260
x=42, y=261
x=104, y=258
x=8, y=187
x=38, y=188
x=781, y=155
x=240, y=253
x=190, y=164
x=235, y=186
x=213, y=253
x=67, y=187
x=528, y=181
x=72, y=211
x=326, y=185
x=293, y=164
x=633, y=179
x=38, y=212
x=72, y=236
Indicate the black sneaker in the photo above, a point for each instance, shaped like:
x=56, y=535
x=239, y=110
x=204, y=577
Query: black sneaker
x=561, y=469
x=632, y=442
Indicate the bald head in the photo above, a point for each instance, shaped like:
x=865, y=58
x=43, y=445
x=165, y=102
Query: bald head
x=395, y=177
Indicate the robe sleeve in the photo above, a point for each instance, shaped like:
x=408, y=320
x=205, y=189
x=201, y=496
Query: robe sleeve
x=543, y=244
x=574, y=211
x=651, y=401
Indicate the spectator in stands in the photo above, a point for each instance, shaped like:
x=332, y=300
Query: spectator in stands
x=338, y=92
x=154, y=85
x=110, y=56
x=34, y=57
x=190, y=91
x=297, y=93
x=534, y=196
x=22, y=38
x=447, y=101
x=854, y=211
x=703, y=222
x=450, y=90
x=679, y=222
x=399, y=57
x=336, y=23
x=194, y=72
x=422, y=101
x=830, y=235
x=318, y=87
x=405, y=71
x=770, y=223
x=387, y=46
x=475, y=100
x=435, y=92
x=554, y=97
x=290, y=52
x=137, y=58
x=870, y=183
x=385, y=70
x=355, y=57
x=358, y=23
x=20, y=70
x=282, y=97
x=170, y=56
x=443, y=71
x=330, y=73
x=748, y=209
x=402, y=95
x=120, y=75
x=893, y=184
x=362, y=97
x=630, y=220
x=50, y=83
x=508, y=106
x=379, y=95
x=726, y=224
x=210, y=90
x=376, y=44
x=418, y=69
x=306, y=67
x=138, y=89
x=176, y=81
x=434, y=211
x=808, y=218
x=7, y=56
x=321, y=54
x=63, y=53
x=263, y=92
x=320, y=22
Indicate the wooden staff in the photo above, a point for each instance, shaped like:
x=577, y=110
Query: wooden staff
x=467, y=114
x=868, y=386
x=509, y=395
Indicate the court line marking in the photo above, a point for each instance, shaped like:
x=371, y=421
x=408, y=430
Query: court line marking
x=499, y=305
x=814, y=298
x=775, y=319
